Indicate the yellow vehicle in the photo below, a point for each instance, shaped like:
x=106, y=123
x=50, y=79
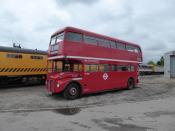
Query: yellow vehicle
x=146, y=69
x=17, y=64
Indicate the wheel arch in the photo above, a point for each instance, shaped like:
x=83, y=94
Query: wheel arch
x=131, y=78
x=76, y=82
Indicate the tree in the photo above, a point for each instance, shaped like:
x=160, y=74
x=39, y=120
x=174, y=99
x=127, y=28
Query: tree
x=160, y=62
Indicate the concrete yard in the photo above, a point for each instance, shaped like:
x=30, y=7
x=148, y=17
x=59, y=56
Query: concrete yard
x=149, y=107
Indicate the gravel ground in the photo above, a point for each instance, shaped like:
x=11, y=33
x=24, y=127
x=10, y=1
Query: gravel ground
x=150, y=106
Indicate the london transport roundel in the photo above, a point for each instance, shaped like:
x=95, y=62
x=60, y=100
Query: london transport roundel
x=105, y=76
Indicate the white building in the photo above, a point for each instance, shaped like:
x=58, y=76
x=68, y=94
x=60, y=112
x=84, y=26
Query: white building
x=169, y=66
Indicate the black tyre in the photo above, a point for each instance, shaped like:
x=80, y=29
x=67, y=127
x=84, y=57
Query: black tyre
x=130, y=84
x=72, y=91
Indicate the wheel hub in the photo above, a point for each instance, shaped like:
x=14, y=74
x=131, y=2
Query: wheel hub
x=73, y=91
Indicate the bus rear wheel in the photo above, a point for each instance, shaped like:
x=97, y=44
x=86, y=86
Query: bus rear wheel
x=130, y=84
x=72, y=91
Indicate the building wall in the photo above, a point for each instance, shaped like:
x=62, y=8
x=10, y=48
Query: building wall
x=172, y=65
x=167, y=70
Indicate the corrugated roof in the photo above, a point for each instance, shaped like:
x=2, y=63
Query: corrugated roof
x=21, y=50
x=170, y=53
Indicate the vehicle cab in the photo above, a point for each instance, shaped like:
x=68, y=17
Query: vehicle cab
x=62, y=72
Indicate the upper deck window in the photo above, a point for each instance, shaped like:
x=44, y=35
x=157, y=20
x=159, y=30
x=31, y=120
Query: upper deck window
x=74, y=37
x=113, y=44
x=133, y=49
x=138, y=50
x=103, y=43
x=90, y=40
x=57, y=38
x=121, y=46
x=53, y=40
x=130, y=48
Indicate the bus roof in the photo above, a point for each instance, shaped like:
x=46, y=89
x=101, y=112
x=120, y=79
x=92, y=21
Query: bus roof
x=73, y=29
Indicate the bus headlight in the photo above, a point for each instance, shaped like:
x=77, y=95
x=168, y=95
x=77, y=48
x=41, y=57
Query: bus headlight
x=58, y=85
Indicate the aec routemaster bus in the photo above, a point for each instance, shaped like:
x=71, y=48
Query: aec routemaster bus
x=82, y=62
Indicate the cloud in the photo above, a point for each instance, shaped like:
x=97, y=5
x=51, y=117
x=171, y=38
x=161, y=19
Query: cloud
x=32, y=22
x=71, y=2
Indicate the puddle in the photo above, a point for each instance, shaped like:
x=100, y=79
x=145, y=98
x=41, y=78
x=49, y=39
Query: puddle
x=67, y=111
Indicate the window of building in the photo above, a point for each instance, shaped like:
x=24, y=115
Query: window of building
x=130, y=68
x=122, y=68
x=121, y=46
x=75, y=37
x=104, y=67
x=91, y=68
x=36, y=57
x=114, y=67
x=113, y=44
x=17, y=56
x=103, y=43
x=90, y=40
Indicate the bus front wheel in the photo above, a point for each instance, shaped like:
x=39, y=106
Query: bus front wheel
x=130, y=84
x=72, y=91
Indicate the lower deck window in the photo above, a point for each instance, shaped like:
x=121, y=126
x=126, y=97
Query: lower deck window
x=64, y=66
x=105, y=67
x=77, y=67
x=130, y=68
x=114, y=67
x=122, y=68
x=91, y=68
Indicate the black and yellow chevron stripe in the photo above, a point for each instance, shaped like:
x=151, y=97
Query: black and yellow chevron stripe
x=23, y=69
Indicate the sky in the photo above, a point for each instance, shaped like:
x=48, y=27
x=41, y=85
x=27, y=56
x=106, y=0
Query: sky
x=148, y=23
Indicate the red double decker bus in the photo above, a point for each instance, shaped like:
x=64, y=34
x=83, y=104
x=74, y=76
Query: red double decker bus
x=82, y=62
